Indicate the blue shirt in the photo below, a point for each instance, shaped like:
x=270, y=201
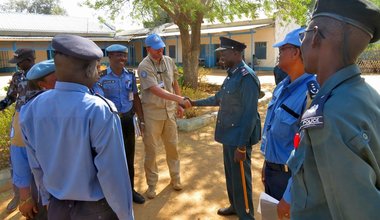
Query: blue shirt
x=118, y=89
x=282, y=119
x=75, y=147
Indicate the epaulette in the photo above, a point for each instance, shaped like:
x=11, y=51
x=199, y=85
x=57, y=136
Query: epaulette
x=313, y=117
x=109, y=103
x=130, y=71
x=313, y=88
x=244, y=71
x=103, y=73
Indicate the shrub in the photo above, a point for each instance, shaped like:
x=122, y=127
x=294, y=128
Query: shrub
x=5, y=124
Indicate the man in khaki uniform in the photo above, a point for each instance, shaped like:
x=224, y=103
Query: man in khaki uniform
x=160, y=95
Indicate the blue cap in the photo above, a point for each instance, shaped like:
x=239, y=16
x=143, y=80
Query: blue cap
x=291, y=38
x=154, y=41
x=77, y=46
x=41, y=69
x=117, y=48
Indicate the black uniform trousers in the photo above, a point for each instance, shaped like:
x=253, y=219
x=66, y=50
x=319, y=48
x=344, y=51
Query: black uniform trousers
x=129, y=142
x=276, y=179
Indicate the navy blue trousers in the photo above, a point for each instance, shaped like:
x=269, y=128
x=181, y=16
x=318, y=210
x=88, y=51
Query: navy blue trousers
x=276, y=182
x=234, y=181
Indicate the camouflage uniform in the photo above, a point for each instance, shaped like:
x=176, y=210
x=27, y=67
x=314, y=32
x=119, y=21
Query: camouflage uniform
x=17, y=91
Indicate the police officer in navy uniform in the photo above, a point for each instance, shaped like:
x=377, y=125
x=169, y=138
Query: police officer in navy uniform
x=238, y=124
x=336, y=167
x=119, y=85
x=74, y=141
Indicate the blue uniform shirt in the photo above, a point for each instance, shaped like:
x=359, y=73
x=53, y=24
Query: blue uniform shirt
x=118, y=89
x=75, y=147
x=282, y=119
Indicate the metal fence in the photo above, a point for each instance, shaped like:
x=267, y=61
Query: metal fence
x=369, y=61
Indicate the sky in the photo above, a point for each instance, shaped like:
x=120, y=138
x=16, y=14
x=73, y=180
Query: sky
x=73, y=9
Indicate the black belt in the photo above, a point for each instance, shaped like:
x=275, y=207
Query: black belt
x=277, y=167
x=128, y=114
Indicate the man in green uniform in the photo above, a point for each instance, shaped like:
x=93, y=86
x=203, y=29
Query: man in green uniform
x=159, y=98
x=238, y=125
x=336, y=167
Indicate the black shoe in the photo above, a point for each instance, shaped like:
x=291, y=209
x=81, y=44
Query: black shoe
x=138, y=198
x=13, y=204
x=226, y=211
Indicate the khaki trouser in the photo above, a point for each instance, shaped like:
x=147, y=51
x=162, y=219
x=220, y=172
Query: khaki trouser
x=166, y=130
x=16, y=138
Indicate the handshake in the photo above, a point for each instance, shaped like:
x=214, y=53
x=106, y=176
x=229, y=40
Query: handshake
x=186, y=103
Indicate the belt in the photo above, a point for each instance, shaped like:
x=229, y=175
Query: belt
x=128, y=114
x=277, y=167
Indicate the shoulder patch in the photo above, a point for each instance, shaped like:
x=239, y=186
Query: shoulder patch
x=313, y=88
x=103, y=73
x=144, y=74
x=109, y=103
x=313, y=117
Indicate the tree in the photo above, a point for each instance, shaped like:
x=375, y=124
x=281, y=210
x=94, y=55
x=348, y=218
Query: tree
x=188, y=16
x=34, y=6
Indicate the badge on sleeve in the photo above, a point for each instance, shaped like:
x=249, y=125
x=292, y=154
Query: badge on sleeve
x=144, y=74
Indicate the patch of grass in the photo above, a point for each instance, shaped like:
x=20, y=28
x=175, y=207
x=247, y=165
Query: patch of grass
x=5, y=124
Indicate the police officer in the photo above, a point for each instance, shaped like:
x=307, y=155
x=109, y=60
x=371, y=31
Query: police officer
x=119, y=85
x=74, y=140
x=17, y=92
x=40, y=77
x=238, y=124
x=283, y=114
x=336, y=167
x=160, y=95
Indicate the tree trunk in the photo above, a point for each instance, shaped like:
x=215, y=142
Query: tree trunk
x=190, y=52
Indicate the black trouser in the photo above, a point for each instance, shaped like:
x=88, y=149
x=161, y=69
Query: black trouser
x=79, y=210
x=129, y=142
x=276, y=179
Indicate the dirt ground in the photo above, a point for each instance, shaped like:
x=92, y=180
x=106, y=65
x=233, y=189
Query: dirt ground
x=202, y=176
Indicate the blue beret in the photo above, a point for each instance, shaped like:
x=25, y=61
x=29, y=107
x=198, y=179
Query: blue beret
x=41, y=69
x=154, y=41
x=77, y=46
x=227, y=43
x=360, y=13
x=117, y=48
x=291, y=38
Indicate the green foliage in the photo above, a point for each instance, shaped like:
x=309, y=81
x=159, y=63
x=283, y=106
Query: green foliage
x=34, y=6
x=5, y=122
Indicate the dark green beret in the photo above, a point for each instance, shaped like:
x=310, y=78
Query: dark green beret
x=359, y=13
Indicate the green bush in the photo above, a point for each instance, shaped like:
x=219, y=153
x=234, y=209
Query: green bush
x=5, y=124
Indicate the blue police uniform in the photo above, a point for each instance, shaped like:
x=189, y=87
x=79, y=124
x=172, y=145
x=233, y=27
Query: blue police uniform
x=120, y=90
x=75, y=145
x=75, y=148
x=281, y=124
x=238, y=124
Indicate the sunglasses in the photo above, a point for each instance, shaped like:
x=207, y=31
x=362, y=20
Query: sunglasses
x=315, y=28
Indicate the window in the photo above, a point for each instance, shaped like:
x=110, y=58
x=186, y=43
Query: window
x=172, y=51
x=4, y=58
x=261, y=50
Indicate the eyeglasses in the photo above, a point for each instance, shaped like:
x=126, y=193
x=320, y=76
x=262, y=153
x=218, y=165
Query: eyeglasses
x=282, y=49
x=302, y=34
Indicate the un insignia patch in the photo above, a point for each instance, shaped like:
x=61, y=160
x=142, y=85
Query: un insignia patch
x=144, y=74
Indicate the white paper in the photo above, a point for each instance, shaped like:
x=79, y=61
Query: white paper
x=267, y=207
